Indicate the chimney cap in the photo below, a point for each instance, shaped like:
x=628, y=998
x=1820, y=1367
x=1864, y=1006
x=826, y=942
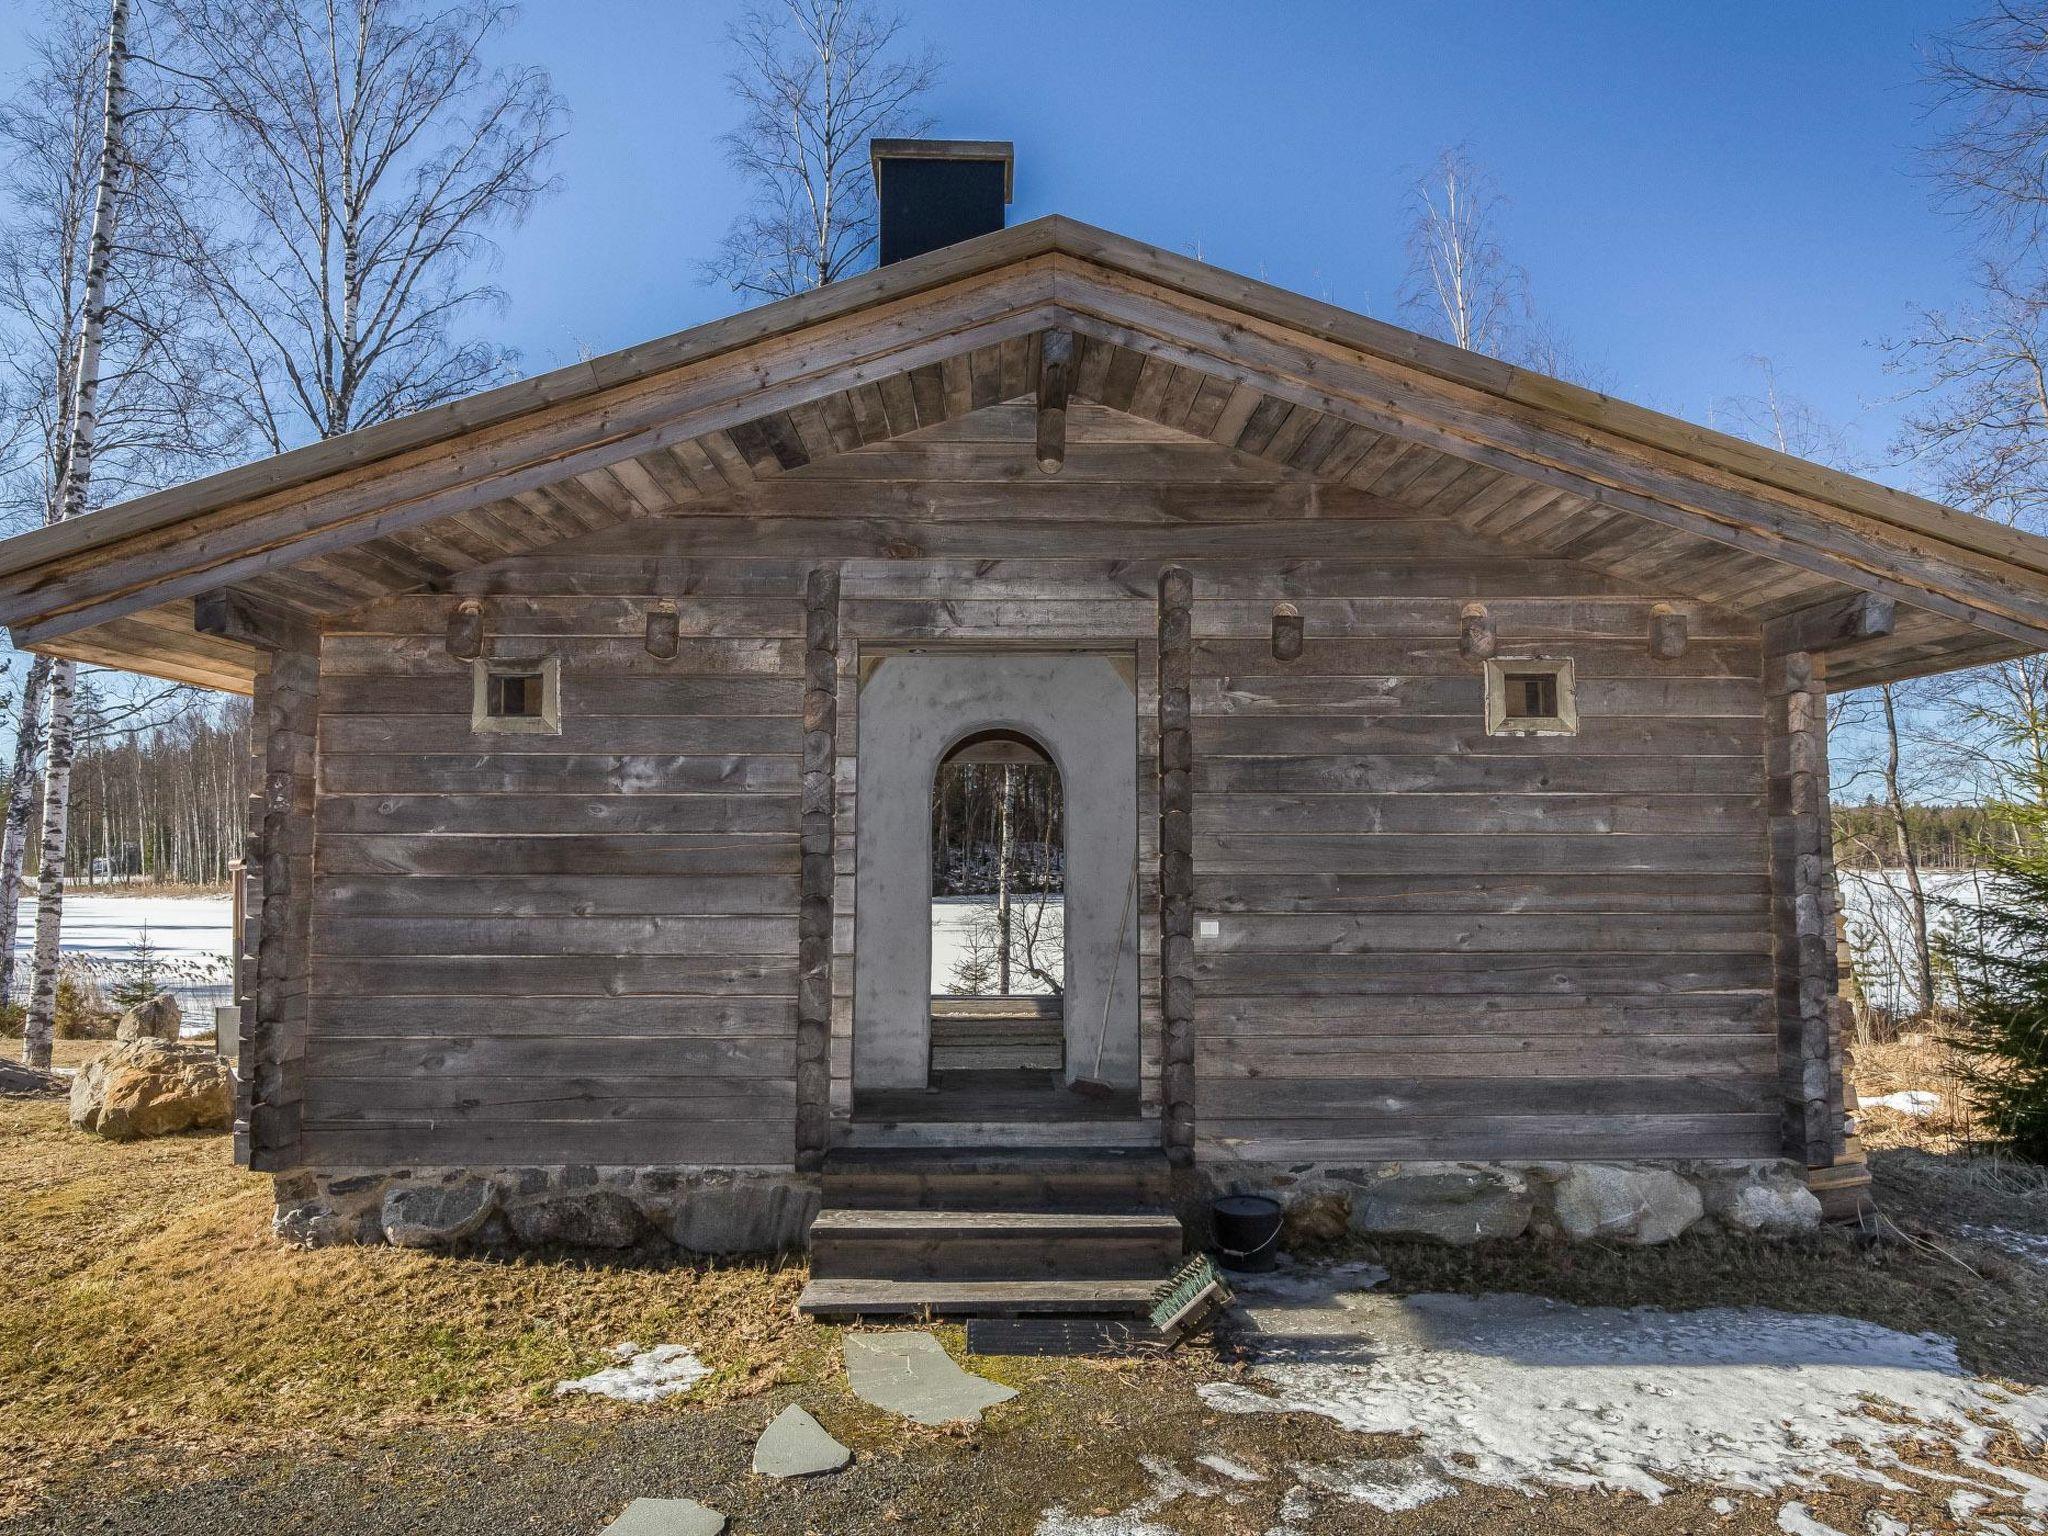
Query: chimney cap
x=946, y=149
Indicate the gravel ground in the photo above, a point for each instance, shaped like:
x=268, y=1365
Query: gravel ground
x=996, y=1481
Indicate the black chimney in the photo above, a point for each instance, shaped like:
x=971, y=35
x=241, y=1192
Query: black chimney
x=935, y=192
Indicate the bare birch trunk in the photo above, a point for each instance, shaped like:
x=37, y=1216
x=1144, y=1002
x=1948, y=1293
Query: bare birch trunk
x=1909, y=855
x=1004, y=855
x=28, y=744
x=40, y=1028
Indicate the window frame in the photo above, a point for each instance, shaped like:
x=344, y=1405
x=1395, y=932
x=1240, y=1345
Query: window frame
x=1561, y=668
x=547, y=723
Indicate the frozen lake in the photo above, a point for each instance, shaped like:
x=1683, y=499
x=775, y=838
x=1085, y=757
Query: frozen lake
x=191, y=936
x=959, y=921
x=1878, y=905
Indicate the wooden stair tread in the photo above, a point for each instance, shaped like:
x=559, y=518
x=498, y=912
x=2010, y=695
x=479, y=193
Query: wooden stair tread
x=979, y=1298
x=923, y=1222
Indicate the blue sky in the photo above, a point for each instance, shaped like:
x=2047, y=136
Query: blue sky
x=1691, y=186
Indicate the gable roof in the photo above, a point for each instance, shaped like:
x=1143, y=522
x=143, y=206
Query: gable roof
x=1337, y=396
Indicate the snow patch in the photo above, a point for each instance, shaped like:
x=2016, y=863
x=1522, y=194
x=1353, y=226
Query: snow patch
x=1524, y=1393
x=643, y=1376
x=1916, y=1102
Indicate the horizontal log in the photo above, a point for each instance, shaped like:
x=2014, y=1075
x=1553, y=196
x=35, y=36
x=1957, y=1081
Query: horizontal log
x=1286, y=1057
x=752, y=615
x=588, y=853
x=1667, y=815
x=1371, y=1101
x=1388, y=773
x=457, y=1058
x=426, y=815
x=416, y=656
x=1246, y=735
x=653, y=734
x=560, y=976
x=1694, y=698
x=486, y=772
x=588, y=1095
x=339, y=1017
x=1492, y=1138
x=583, y=693
x=480, y=936
x=756, y=1140
x=1627, y=974
x=1626, y=894
x=1481, y=1017
x=1227, y=649
x=1488, y=934
x=554, y=896
x=1474, y=853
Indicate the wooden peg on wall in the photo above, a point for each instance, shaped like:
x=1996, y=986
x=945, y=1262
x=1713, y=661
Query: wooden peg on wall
x=1055, y=378
x=664, y=631
x=1668, y=634
x=1477, y=637
x=1286, y=632
x=466, y=630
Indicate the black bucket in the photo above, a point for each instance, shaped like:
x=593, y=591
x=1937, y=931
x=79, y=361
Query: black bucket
x=1247, y=1230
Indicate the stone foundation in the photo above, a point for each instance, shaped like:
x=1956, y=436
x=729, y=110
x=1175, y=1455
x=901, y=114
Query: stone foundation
x=730, y=1212
x=1462, y=1203
x=695, y=1210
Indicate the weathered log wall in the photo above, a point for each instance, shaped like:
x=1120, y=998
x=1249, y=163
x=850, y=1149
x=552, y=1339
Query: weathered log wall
x=1409, y=938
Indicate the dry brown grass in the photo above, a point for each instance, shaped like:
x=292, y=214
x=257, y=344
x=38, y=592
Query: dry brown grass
x=63, y=1053
x=1916, y=1060
x=142, y=1295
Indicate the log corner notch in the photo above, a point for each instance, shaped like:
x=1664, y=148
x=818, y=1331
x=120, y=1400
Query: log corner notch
x=1177, y=861
x=1055, y=380
x=276, y=942
x=815, y=881
x=1811, y=1062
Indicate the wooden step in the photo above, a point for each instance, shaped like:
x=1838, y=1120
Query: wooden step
x=1023, y=1178
x=977, y=1298
x=924, y=1244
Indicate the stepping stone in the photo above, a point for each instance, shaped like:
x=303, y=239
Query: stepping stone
x=796, y=1445
x=911, y=1374
x=666, y=1517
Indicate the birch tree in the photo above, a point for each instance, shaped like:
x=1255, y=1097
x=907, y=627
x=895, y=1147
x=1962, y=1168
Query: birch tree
x=155, y=413
x=1460, y=285
x=73, y=485
x=815, y=81
x=367, y=151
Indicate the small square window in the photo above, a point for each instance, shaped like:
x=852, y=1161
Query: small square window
x=517, y=695
x=1531, y=696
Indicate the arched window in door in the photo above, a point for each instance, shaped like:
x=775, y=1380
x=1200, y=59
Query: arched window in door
x=998, y=876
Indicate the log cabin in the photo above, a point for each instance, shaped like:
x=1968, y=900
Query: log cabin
x=1443, y=748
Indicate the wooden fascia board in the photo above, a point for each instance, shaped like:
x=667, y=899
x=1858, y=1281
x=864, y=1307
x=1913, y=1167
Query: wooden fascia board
x=1304, y=317
x=1977, y=589
x=574, y=386
x=1553, y=398
x=571, y=441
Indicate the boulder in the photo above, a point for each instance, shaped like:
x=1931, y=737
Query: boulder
x=160, y=1018
x=1634, y=1205
x=744, y=1215
x=17, y=1081
x=153, y=1088
x=595, y=1218
x=436, y=1215
x=1455, y=1205
x=1773, y=1203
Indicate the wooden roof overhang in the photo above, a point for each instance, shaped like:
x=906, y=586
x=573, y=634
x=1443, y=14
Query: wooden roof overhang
x=707, y=414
